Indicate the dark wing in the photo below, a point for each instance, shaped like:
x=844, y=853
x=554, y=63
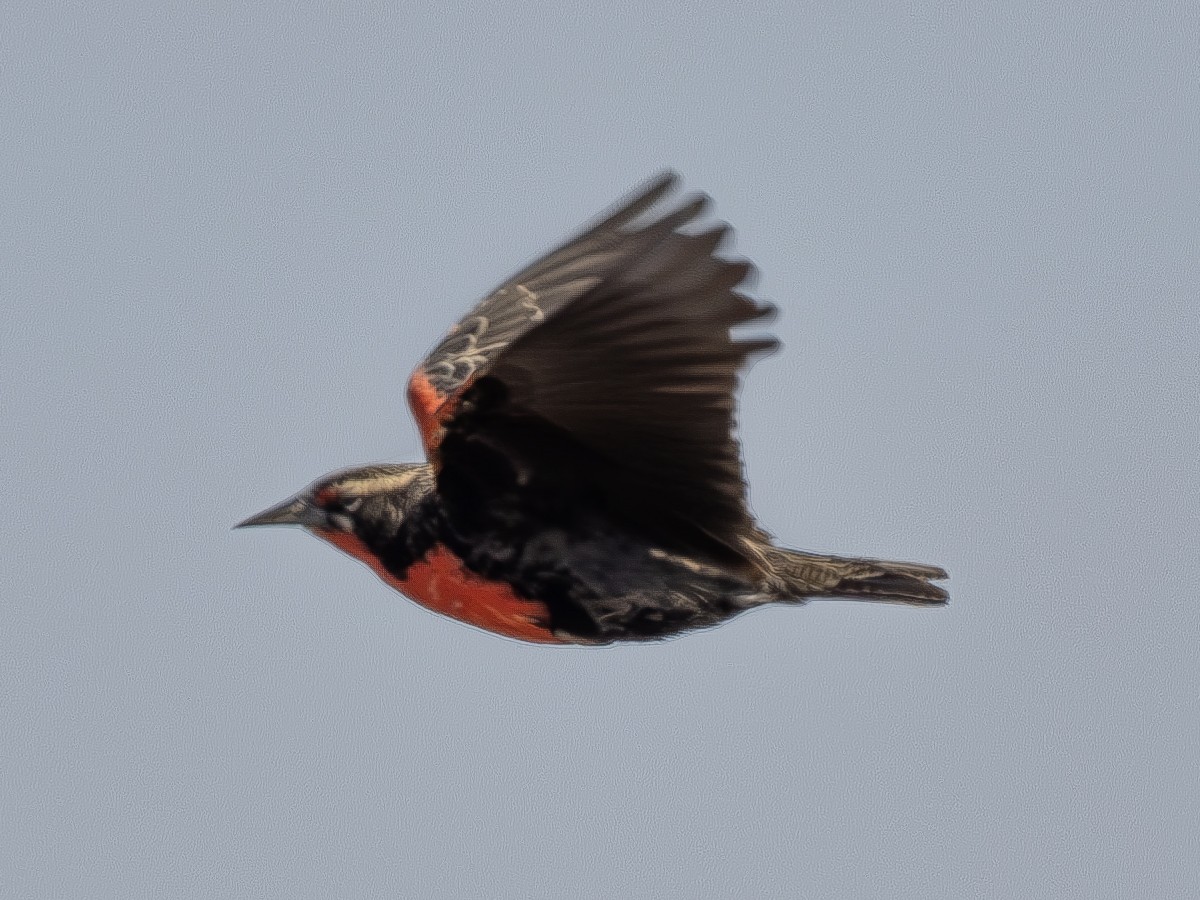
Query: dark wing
x=609, y=364
x=519, y=306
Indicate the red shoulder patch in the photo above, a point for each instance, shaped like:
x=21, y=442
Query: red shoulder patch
x=427, y=406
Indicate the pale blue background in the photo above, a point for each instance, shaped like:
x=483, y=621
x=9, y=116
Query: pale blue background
x=228, y=232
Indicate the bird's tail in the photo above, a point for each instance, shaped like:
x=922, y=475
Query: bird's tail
x=794, y=575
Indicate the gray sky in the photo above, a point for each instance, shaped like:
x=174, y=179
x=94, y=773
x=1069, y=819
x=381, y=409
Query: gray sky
x=230, y=232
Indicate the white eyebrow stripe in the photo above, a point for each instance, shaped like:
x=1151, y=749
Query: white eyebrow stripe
x=371, y=484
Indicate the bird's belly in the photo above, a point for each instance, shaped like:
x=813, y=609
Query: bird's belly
x=442, y=583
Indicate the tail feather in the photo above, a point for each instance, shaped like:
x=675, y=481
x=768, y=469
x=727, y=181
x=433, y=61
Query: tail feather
x=795, y=575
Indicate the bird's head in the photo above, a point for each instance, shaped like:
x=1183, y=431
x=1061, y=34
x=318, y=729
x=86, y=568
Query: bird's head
x=367, y=500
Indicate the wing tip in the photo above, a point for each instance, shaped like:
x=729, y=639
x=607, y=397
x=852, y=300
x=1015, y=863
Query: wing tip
x=666, y=179
x=641, y=199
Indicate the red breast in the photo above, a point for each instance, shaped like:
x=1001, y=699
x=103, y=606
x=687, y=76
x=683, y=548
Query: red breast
x=442, y=583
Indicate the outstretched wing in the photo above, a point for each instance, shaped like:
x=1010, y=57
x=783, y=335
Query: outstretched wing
x=609, y=363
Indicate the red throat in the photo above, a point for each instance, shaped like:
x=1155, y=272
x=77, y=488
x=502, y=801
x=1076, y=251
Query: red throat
x=442, y=583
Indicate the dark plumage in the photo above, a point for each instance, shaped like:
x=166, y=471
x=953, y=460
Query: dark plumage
x=584, y=483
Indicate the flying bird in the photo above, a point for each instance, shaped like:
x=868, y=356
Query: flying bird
x=583, y=484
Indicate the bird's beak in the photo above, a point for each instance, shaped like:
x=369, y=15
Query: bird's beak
x=297, y=510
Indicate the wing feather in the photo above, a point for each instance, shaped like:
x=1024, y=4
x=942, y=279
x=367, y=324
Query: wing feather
x=620, y=342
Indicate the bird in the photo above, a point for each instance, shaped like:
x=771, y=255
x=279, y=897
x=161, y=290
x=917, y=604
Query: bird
x=583, y=481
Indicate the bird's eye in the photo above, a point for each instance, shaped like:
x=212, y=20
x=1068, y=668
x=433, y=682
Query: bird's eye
x=331, y=500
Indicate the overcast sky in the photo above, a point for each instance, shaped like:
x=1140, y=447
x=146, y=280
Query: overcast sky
x=230, y=231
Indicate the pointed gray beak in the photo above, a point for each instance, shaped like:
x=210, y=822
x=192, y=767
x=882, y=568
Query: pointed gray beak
x=292, y=511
